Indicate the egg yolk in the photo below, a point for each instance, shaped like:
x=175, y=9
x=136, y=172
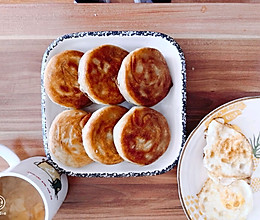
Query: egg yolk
x=231, y=200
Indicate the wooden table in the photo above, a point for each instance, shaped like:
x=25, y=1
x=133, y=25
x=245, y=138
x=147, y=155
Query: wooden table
x=221, y=43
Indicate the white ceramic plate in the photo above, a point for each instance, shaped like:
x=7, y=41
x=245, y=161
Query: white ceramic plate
x=172, y=107
x=242, y=113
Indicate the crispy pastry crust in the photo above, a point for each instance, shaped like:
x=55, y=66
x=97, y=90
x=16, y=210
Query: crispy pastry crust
x=142, y=135
x=65, y=138
x=144, y=78
x=98, y=70
x=97, y=134
x=61, y=80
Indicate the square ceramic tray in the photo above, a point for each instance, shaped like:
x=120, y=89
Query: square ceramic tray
x=173, y=107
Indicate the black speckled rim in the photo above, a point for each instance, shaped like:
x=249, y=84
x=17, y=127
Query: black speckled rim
x=103, y=34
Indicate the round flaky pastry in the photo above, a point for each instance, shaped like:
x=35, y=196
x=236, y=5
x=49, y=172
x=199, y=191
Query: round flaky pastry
x=61, y=80
x=144, y=78
x=98, y=70
x=65, y=138
x=97, y=134
x=142, y=135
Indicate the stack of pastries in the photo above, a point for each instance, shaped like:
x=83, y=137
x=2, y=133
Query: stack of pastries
x=108, y=75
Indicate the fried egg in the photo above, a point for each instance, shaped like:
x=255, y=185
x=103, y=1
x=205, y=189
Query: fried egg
x=228, y=154
x=231, y=202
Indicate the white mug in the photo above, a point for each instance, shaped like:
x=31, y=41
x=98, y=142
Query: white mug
x=50, y=184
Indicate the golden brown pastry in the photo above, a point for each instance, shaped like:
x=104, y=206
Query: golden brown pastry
x=61, y=80
x=65, y=138
x=98, y=70
x=97, y=134
x=142, y=135
x=144, y=78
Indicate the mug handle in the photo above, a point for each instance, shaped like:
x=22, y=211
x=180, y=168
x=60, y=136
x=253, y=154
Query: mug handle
x=9, y=156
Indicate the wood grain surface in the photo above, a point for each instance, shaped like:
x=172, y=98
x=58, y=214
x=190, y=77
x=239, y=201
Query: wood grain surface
x=221, y=43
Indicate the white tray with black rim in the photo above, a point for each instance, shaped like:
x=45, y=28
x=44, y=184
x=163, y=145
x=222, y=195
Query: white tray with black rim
x=173, y=106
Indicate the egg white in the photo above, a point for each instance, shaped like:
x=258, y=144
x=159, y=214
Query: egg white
x=231, y=202
x=228, y=154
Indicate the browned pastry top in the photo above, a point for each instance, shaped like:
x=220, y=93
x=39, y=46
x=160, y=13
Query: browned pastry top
x=101, y=69
x=61, y=80
x=98, y=134
x=65, y=138
x=148, y=79
x=145, y=136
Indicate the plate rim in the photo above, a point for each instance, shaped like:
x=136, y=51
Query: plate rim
x=192, y=134
x=106, y=34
